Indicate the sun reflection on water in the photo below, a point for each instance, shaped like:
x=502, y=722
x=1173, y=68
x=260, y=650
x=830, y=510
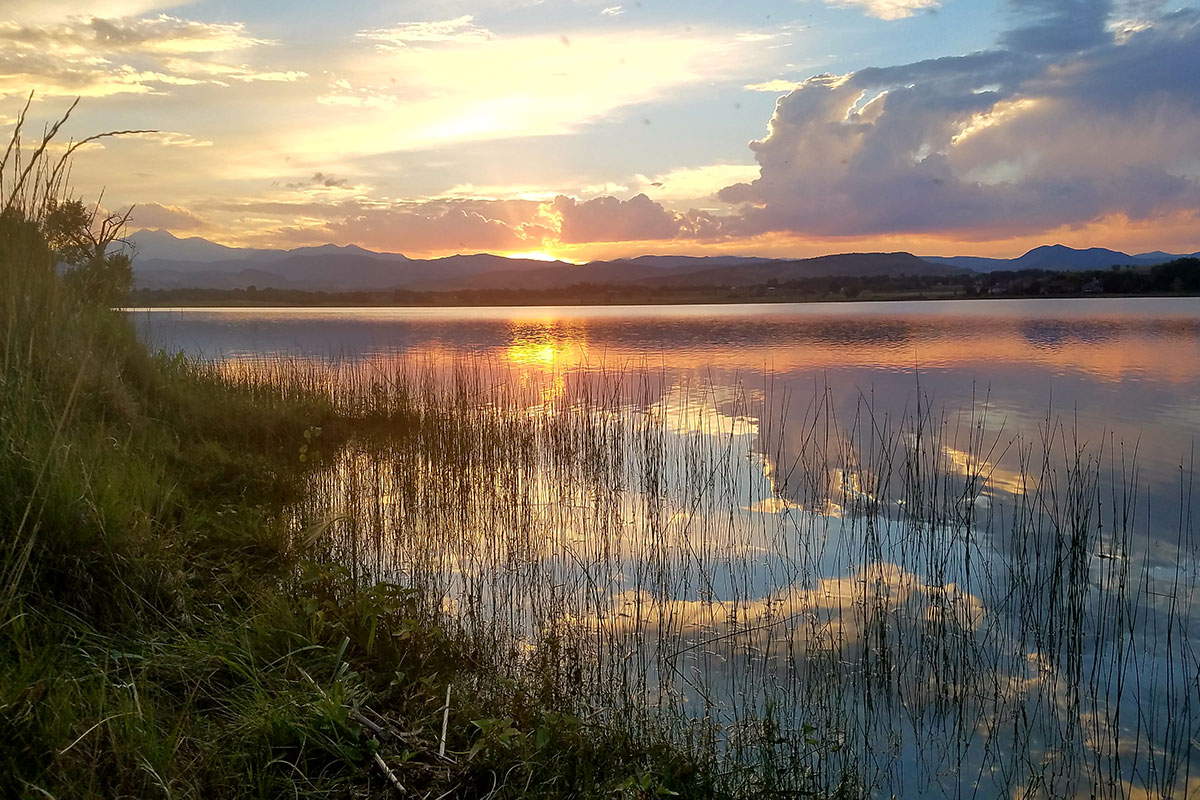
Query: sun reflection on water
x=546, y=344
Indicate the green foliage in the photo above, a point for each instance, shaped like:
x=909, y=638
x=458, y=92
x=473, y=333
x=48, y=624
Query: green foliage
x=80, y=241
x=66, y=227
x=106, y=280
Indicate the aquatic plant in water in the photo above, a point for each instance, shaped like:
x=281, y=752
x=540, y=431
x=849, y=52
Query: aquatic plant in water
x=877, y=605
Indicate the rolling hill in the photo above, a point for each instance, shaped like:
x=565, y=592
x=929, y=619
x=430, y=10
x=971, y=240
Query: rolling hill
x=163, y=261
x=1059, y=257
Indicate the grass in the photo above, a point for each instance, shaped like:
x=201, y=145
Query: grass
x=924, y=604
x=165, y=629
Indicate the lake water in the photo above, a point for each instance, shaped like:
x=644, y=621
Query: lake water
x=932, y=549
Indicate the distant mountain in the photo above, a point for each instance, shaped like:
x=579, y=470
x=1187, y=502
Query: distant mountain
x=212, y=279
x=1061, y=257
x=324, y=269
x=342, y=250
x=1057, y=257
x=558, y=276
x=1159, y=257
x=844, y=265
x=160, y=244
x=624, y=271
x=973, y=263
x=693, y=262
x=164, y=261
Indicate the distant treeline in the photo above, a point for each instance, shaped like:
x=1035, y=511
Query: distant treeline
x=1181, y=276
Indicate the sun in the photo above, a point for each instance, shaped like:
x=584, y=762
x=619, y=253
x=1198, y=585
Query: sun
x=532, y=255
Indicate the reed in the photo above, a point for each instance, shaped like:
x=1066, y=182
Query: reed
x=870, y=605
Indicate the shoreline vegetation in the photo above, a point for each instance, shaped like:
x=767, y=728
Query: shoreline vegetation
x=164, y=631
x=1179, y=278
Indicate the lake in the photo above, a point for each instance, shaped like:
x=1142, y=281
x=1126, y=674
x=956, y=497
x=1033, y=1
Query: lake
x=924, y=549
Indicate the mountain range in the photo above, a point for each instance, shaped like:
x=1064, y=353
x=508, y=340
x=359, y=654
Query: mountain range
x=164, y=261
x=1060, y=257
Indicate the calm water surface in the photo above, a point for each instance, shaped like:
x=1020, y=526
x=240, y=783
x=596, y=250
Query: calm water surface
x=1126, y=370
x=945, y=549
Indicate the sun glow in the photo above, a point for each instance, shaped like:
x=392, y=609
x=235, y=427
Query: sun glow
x=533, y=255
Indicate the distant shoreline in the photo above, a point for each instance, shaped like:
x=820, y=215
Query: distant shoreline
x=1173, y=279
x=339, y=300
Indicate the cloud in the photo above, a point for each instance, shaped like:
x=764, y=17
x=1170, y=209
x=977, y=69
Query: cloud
x=608, y=219
x=469, y=191
x=613, y=11
x=24, y=11
x=816, y=621
x=161, y=34
x=695, y=183
x=890, y=9
x=434, y=227
x=532, y=85
x=341, y=93
x=446, y=225
x=1018, y=139
x=756, y=36
x=459, y=30
x=328, y=181
x=320, y=180
x=218, y=73
x=173, y=139
x=1059, y=26
x=156, y=215
x=776, y=86
x=101, y=57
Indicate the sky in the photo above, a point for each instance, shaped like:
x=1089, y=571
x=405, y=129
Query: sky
x=580, y=130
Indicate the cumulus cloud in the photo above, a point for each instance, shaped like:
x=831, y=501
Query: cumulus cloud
x=1038, y=133
x=695, y=183
x=1058, y=26
x=156, y=215
x=448, y=224
x=609, y=219
x=890, y=9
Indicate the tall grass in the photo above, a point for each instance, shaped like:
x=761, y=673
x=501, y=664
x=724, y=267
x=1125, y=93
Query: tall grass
x=925, y=605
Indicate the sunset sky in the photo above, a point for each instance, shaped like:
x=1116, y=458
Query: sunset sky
x=587, y=129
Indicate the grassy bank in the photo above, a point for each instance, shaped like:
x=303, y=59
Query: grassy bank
x=164, y=630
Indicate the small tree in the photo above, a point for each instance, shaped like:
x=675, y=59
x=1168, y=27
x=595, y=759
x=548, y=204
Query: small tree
x=66, y=232
x=83, y=244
